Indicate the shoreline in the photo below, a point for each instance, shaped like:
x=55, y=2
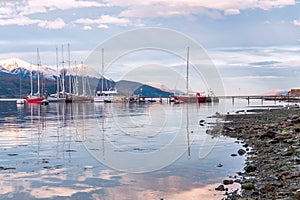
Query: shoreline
x=271, y=145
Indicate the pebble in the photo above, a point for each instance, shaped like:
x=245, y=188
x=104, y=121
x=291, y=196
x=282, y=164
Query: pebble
x=273, y=147
x=220, y=188
x=241, y=152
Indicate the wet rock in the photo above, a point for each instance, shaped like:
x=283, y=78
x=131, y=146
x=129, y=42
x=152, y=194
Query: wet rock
x=227, y=182
x=248, y=186
x=241, y=152
x=268, y=134
x=12, y=154
x=220, y=188
x=250, y=168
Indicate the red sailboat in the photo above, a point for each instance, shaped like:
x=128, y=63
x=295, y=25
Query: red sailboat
x=35, y=98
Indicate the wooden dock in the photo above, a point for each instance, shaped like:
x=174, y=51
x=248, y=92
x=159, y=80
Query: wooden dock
x=263, y=98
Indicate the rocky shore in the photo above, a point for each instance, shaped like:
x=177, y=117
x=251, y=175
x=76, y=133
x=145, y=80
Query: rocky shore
x=271, y=142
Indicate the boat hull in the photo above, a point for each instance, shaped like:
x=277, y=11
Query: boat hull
x=75, y=99
x=34, y=99
x=191, y=99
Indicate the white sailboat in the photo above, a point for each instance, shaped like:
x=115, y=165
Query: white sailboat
x=107, y=96
x=56, y=97
x=20, y=100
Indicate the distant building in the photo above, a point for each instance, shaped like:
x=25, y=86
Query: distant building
x=294, y=93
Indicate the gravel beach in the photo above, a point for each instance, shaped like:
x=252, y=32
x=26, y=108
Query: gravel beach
x=271, y=141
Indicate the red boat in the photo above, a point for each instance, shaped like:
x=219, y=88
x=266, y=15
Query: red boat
x=34, y=99
x=190, y=98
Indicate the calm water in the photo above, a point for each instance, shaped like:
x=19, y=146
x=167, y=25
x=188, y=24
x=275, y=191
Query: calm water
x=113, y=151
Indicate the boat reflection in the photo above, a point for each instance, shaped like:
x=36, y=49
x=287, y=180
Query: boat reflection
x=49, y=152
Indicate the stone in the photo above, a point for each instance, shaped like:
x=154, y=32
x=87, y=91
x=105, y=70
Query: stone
x=220, y=188
x=248, y=186
x=241, y=152
x=250, y=168
x=233, y=155
x=227, y=182
x=268, y=134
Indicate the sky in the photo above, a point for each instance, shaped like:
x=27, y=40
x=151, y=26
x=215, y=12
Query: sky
x=254, y=44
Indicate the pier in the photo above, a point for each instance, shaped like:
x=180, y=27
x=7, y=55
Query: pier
x=262, y=98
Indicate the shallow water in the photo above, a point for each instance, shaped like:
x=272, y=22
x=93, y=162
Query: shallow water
x=113, y=151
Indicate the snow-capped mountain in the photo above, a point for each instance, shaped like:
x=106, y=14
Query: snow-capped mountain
x=22, y=68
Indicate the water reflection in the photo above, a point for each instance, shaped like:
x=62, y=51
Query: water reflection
x=44, y=152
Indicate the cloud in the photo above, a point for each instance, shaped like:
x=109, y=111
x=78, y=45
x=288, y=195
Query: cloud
x=103, y=21
x=296, y=22
x=17, y=13
x=232, y=12
x=18, y=20
x=24, y=21
x=87, y=28
x=56, y=24
x=33, y=6
x=166, y=8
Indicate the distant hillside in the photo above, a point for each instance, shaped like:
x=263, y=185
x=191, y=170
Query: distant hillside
x=134, y=88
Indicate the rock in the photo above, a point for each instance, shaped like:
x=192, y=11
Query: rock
x=250, y=168
x=219, y=165
x=227, y=182
x=233, y=155
x=220, y=188
x=297, y=194
x=284, y=168
x=295, y=116
x=241, y=152
x=268, y=134
x=248, y=186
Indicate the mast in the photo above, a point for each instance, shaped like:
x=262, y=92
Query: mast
x=63, y=66
x=31, y=85
x=102, y=69
x=83, y=79
x=38, y=63
x=187, y=70
x=76, y=79
x=69, y=61
x=20, y=85
x=57, y=81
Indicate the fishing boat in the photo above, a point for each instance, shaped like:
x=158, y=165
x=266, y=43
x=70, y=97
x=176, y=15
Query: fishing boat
x=189, y=97
x=35, y=98
x=193, y=97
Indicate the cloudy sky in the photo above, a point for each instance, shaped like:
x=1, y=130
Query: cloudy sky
x=254, y=44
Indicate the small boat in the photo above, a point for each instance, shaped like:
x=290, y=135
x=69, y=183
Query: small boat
x=44, y=102
x=21, y=101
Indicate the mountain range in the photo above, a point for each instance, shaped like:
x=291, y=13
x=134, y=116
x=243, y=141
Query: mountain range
x=15, y=75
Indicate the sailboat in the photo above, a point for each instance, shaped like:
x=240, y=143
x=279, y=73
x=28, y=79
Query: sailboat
x=189, y=97
x=35, y=98
x=106, y=96
x=56, y=97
